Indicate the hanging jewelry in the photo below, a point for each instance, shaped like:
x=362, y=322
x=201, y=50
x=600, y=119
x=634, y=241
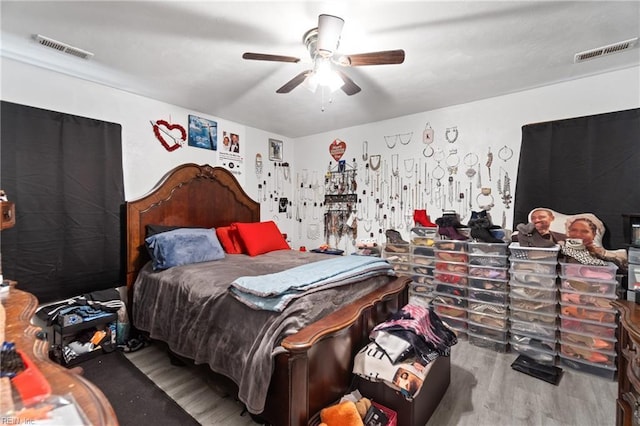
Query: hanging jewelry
x=489, y=162
x=394, y=165
x=479, y=184
x=451, y=135
x=374, y=162
x=438, y=155
x=259, y=166
x=470, y=160
x=485, y=200
x=408, y=167
x=427, y=134
x=450, y=190
x=428, y=151
x=391, y=141
x=286, y=171
x=365, y=151
x=452, y=162
x=505, y=190
x=505, y=153
x=407, y=136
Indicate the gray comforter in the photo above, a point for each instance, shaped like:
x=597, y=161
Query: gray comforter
x=190, y=308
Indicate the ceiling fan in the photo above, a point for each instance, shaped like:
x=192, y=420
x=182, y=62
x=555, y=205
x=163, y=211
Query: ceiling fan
x=322, y=43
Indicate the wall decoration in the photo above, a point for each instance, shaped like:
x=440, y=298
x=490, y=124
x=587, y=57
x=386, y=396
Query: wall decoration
x=337, y=149
x=165, y=131
x=275, y=150
x=230, y=142
x=203, y=133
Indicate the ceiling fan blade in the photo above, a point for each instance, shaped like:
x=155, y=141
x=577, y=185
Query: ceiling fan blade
x=349, y=87
x=294, y=82
x=266, y=57
x=385, y=57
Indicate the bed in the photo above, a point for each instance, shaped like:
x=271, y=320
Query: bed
x=311, y=357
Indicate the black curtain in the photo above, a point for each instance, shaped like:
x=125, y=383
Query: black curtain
x=64, y=174
x=582, y=165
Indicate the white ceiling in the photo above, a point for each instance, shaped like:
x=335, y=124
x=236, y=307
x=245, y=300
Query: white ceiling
x=189, y=53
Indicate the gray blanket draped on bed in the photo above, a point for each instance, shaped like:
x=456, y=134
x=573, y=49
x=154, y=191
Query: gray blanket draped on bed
x=190, y=308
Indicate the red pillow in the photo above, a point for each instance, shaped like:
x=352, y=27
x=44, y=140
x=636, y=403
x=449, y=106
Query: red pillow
x=228, y=237
x=261, y=237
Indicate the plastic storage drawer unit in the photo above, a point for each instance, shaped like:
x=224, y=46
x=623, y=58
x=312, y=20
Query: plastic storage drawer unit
x=591, y=341
x=533, y=329
x=605, y=330
x=451, y=245
x=488, y=284
x=534, y=253
x=589, y=300
x=533, y=266
x=528, y=316
x=488, y=272
x=487, y=248
x=579, y=270
x=485, y=342
x=533, y=280
x=535, y=293
x=599, y=370
x=548, y=307
x=589, y=285
x=451, y=256
x=491, y=320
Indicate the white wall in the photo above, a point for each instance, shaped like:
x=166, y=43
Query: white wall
x=492, y=123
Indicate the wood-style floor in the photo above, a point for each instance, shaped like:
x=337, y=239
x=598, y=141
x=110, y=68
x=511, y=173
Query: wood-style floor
x=484, y=390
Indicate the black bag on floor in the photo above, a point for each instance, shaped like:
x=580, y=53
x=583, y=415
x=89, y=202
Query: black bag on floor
x=548, y=373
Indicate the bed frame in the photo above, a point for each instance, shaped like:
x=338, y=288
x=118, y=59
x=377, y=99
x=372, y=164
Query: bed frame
x=316, y=369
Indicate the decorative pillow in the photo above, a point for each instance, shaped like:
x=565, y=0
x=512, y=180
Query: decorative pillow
x=228, y=236
x=183, y=246
x=261, y=237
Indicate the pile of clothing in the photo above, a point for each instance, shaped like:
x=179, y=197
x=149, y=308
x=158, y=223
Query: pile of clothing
x=402, y=347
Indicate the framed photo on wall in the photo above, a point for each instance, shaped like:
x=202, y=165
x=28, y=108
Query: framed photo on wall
x=275, y=150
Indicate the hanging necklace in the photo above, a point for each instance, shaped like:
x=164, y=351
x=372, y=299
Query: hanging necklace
x=438, y=155
x=451, y=135
x=505, y=153
x=374, y=162
x=470, y=160
x=408, y=167
x=393, y=139
x=428, y=151
x=394, y=165
x=504, y=189
x=489, y=162
x=259, y=166
x=365, y=150
x=452, y=162
x=406, y=135
x=427, y=134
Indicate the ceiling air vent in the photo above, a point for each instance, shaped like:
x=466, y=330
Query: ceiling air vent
x=62, y=47
x=605, y=50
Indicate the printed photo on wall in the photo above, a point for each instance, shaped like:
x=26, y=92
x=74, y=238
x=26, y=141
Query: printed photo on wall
x=203, y=133
x=230, y=142
x=275, y=150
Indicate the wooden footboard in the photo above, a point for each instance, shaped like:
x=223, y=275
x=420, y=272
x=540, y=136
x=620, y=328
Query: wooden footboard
x=316, y=370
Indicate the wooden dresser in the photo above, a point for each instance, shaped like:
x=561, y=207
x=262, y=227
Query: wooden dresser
x=20, y=307
x=628, y=402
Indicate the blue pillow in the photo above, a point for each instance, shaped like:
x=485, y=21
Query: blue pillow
x=183, y=246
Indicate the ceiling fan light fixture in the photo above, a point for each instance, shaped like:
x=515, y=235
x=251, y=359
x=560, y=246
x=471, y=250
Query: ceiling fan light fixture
x=326, y=76
x=329, y=30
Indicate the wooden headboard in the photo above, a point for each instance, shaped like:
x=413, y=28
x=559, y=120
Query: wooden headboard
x=189, y=195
